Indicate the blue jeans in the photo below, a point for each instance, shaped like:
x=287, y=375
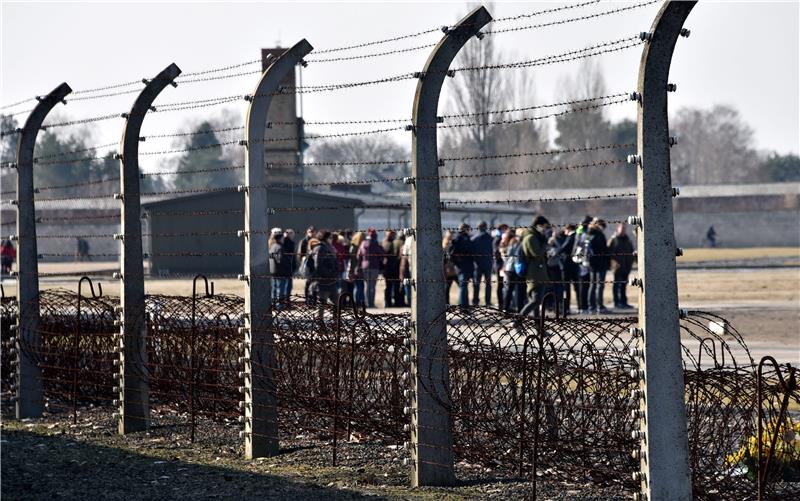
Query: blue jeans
x=476, y=285
x=278, y=289
x=597, y=286
x=371, y=278
x=360, y=298
x=287, y=287
x=463, y=287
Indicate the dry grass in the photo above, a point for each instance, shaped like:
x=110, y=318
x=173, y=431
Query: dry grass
x=791, y=254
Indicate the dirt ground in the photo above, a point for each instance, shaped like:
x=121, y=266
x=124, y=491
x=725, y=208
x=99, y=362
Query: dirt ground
x=757, y=290
x=52, y=458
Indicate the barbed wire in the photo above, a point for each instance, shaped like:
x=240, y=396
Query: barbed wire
x=573, y=19
x=80, y=150
x=190, y=76
x=599, y=48
x=512, y=121
x=528, y=201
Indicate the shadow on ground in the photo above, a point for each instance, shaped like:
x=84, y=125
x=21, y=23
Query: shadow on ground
x=38, y=466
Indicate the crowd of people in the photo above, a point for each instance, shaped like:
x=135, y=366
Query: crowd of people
x=527, y=263
x=342, y=261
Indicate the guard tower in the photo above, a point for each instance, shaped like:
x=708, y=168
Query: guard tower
x=283, y=142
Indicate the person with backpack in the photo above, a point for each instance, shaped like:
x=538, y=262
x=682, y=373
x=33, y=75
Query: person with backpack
x=534, y=254
x=514, y=283
x=461, y=254
x=326, y=269
x=620, y=249
x=483, y=259
x=369, y=257
x=599, y=263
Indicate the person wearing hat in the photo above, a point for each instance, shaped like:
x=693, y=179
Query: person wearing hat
x=483, y=259
x=461, y=255
x=534, y=254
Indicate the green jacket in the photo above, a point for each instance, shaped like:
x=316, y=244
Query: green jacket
x=534, y=249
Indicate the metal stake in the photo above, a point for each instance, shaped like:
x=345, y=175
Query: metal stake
x=134, y=387
x=30, y=400
x=664, y=466
x=261, y=406
x=431, y=428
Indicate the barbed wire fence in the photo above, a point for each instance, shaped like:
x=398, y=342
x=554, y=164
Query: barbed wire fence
x=552, y=397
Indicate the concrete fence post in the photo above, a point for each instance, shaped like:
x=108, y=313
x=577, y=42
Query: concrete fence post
x=431, y=429
x=663, y=450
x=29, y=397
x=260, y=401
x=134, y=387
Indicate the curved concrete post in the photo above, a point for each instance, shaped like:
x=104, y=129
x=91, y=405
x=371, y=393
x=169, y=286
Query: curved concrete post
x=431, y=428
x=134, y=413
x=260, y=402
x=30, y=401
x=664, y=460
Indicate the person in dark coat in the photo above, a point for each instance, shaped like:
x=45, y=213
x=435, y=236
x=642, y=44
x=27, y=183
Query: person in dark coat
x=461, y=255
x=498, y=262
x=391, y=270
x=599, y=263
x=620, y=249
x=280, y=266
x=534, y=252
x=290, y=251
x=304, y=251
x=326, y=270
x=482, y=249
x=570, y=268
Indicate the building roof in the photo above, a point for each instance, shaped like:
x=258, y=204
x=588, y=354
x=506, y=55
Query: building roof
x=695, y=191
x=166, y=200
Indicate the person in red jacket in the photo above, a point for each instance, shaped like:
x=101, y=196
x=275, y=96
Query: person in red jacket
x=8, y=255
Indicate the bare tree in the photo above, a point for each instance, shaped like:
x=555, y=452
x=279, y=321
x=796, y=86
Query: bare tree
x=716, y=146
x=391, y=158
x=583, y=129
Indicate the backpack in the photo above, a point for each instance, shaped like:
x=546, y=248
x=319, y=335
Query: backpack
x=520, y=263
x=307, y=266
x=326, y=266
x=582, y=250
x=512, y=256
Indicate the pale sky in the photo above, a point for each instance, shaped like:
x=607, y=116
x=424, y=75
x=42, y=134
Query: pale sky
x=743, y=54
